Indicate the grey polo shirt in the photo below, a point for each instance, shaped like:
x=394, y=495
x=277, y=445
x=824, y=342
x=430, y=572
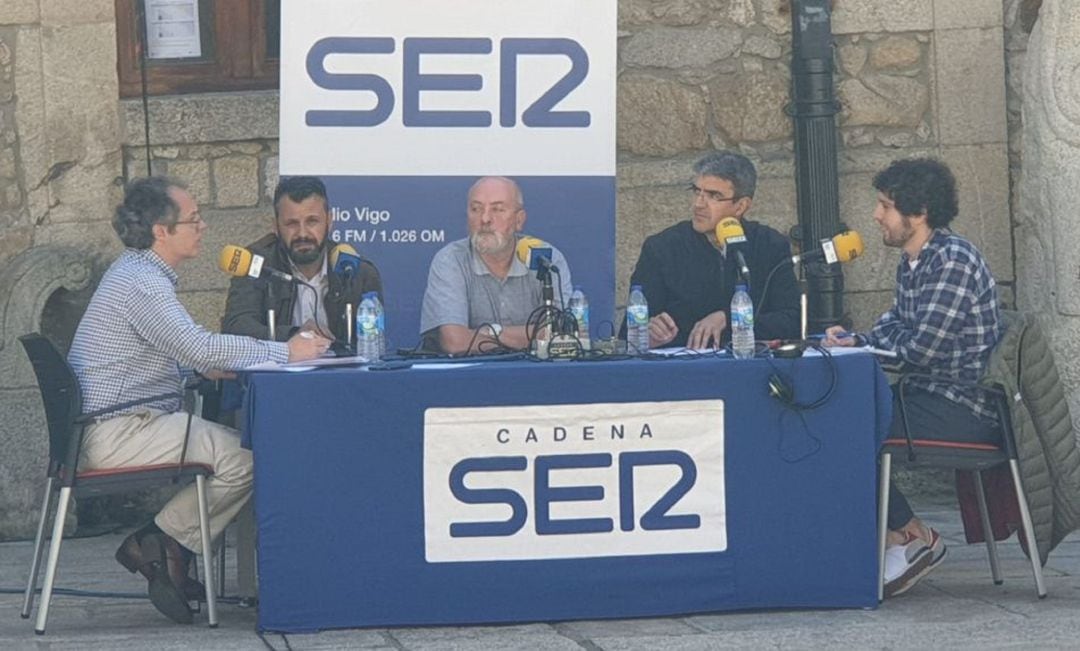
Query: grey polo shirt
x=462, y=291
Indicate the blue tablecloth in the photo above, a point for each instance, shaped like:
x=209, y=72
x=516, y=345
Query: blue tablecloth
x=340, y=504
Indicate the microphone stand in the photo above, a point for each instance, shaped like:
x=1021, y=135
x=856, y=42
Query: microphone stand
x=271, y=326
x=542, y=336
x=350, y=328
x=543, y=274
x=803, y=311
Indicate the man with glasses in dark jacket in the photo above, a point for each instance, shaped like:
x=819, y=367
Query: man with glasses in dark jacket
x=689, y=276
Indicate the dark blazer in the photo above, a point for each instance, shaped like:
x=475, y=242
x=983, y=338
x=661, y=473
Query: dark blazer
x=250, y=298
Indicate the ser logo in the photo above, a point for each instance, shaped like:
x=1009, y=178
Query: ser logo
x=540, y=114
x=654, y=518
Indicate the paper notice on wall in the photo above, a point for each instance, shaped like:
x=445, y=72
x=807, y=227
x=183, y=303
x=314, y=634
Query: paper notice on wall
x=172, y=29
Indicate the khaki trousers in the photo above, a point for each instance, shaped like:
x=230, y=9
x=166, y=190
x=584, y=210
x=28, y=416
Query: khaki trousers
x=151, y=437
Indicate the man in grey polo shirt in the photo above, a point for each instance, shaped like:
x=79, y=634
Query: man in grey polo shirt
x=479, y=294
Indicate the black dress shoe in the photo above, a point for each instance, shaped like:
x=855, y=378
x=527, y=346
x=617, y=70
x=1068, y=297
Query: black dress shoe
x=166, y=596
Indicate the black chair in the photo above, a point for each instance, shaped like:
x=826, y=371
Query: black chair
x=63, y=411
x=974, y=457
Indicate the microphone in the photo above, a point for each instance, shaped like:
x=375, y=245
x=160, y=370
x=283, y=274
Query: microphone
x=842, y=247
x=534, y=252
x=344, y=260
x=730, y=232
x=238, y=261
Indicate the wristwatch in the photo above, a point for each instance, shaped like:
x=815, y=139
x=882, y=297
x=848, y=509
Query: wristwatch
x=496, y=329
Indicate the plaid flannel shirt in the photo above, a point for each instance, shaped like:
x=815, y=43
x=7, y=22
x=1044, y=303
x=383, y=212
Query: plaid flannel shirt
x=136, y=340
x=945, y=319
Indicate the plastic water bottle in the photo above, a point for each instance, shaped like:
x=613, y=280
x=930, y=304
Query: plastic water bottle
x=367, y=329
x=637, y=322
x=579, y=307
x=742, y=324
x=380, y=321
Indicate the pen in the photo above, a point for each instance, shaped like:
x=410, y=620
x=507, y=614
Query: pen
x=839, y=335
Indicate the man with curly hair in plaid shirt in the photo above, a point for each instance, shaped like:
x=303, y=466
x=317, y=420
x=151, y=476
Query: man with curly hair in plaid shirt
x=944, y=322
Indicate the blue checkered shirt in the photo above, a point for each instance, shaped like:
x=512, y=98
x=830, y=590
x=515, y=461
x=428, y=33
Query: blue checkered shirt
x=945, y=319
x=136, y=340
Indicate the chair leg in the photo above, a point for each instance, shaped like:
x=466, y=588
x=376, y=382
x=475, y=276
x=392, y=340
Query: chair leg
x=221, y=564
x=54, y=558
x=1029, y=531
x=984, y=517
x=208, y=551
x=39, y=545
x=885, y=471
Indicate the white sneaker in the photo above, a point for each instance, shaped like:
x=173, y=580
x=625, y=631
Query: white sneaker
x=910, y=561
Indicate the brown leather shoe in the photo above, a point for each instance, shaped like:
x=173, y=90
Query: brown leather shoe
x=129, y=554
x=163, y=555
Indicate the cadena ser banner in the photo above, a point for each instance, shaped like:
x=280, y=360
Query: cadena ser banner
x=400, y=106
x=574, y=481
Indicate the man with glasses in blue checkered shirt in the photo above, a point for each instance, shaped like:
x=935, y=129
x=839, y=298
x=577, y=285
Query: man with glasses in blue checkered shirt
x=945, y=322
x=135, y=341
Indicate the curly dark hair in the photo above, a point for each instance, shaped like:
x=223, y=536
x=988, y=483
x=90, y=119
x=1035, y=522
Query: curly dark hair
x=146, y=203
x=920, y=185
x=297, y=189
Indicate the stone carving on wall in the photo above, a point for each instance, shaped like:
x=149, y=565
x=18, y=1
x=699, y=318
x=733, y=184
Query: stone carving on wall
x=26, y=284
x=1047, y=229
x=1050, y=181
x=29, y=284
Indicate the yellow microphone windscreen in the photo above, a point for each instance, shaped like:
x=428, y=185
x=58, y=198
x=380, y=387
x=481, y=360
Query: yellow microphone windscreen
x=525, y=244
x=338, y=249
x=730, y=230
x=849, y=245
x=235, y=260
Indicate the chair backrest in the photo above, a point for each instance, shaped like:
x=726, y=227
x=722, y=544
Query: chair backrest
x=60, y=395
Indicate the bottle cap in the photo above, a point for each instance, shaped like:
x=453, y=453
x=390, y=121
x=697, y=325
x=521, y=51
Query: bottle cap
x=633, y=287
x=740, y=287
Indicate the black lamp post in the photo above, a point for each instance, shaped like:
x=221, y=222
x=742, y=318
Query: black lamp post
x=813, y=110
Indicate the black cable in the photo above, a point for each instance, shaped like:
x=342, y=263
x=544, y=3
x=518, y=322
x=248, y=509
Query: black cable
x=267, y=644
x=140, y=31
x=768, y=280
x=318, y=326
x=494, y=345
x=476, y=333
x=790, y=401
x=102, y=594
x=562, y=299
x=815, y=440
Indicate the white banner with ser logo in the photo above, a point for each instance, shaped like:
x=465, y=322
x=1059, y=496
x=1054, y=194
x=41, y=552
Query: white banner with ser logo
x=574, y=481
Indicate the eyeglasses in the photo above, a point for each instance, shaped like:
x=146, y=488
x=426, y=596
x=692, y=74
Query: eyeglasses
x=197, y=220
x=711, y=195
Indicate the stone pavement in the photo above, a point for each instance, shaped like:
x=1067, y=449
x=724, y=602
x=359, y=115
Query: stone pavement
x=955, y=607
